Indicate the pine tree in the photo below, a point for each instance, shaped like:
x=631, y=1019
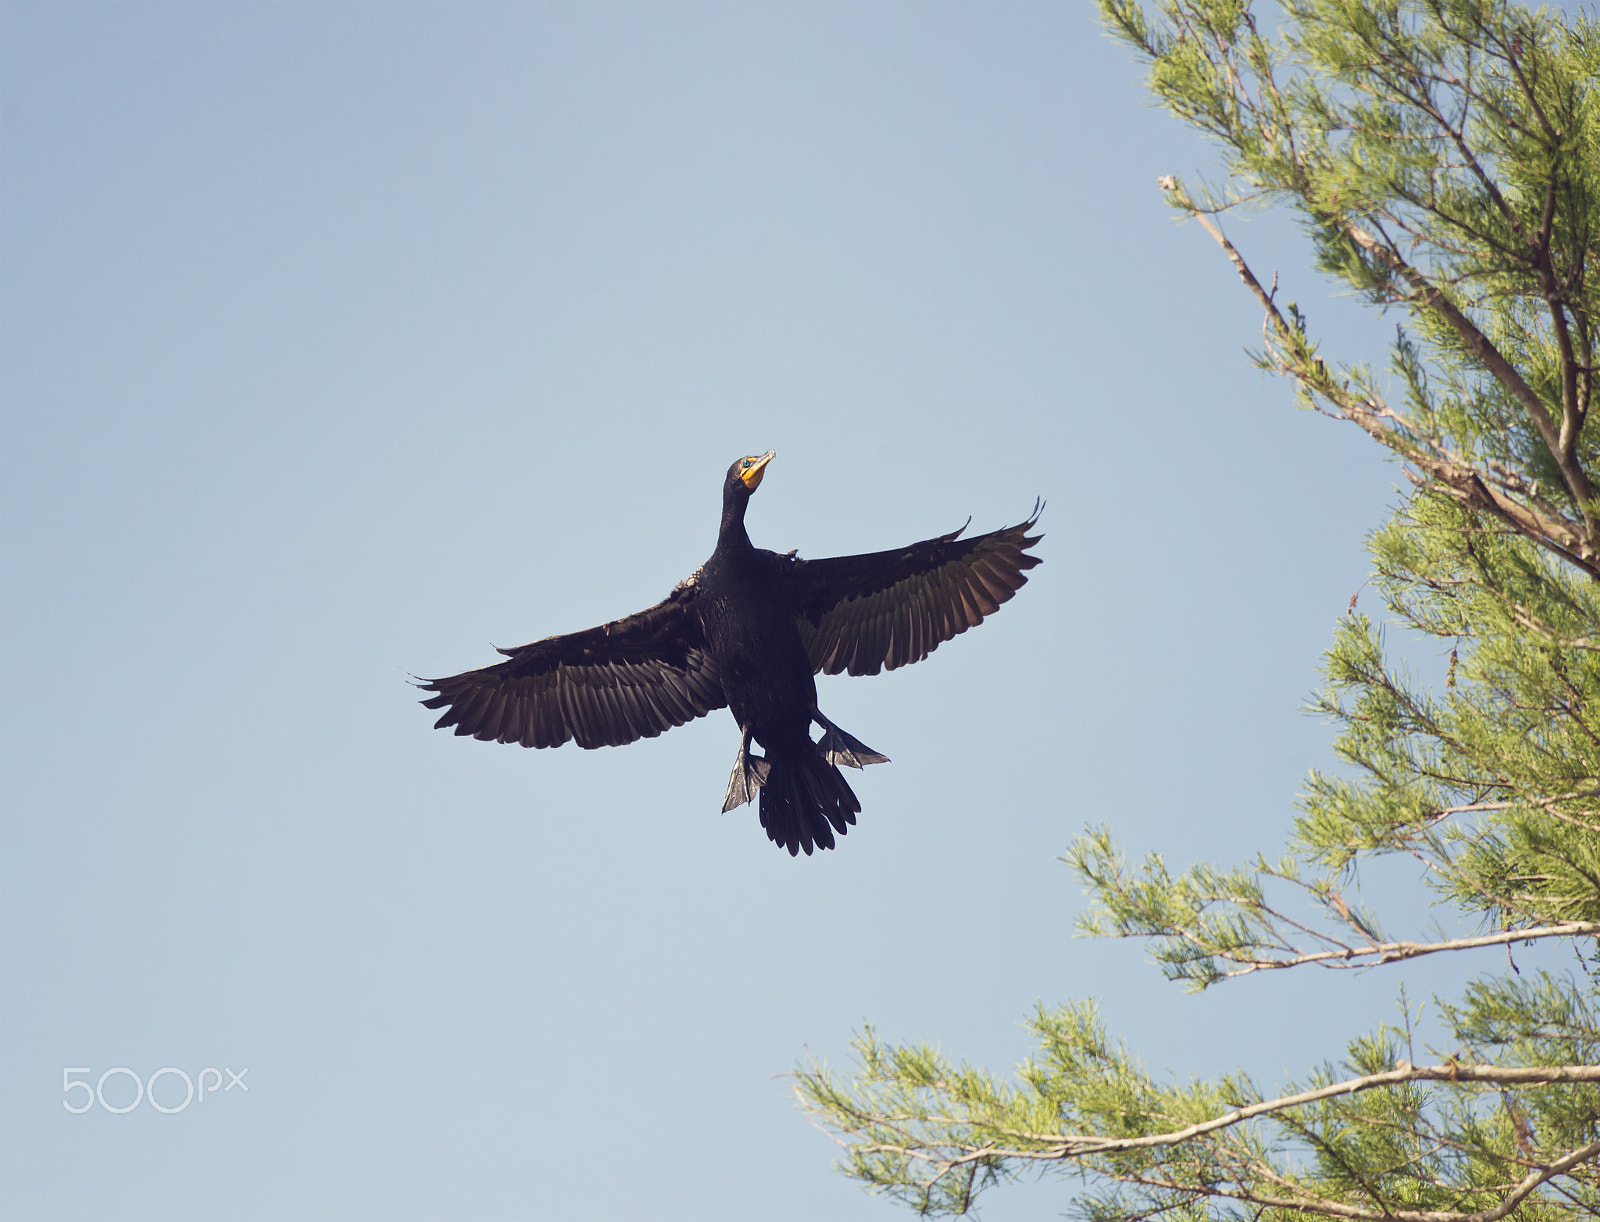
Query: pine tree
x=1445, y=158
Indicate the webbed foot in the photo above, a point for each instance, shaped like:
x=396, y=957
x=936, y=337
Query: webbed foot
x=839, y=747
x=749, y=775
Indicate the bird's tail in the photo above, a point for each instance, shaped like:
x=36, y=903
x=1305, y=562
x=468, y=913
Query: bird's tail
x=804, y=800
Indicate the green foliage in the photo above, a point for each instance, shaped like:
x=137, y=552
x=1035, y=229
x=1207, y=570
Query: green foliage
x=1512, y=739
x=1444, y=156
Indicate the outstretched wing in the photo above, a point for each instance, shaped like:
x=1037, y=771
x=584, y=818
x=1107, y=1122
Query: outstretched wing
x=889, y=609
x=605, y=686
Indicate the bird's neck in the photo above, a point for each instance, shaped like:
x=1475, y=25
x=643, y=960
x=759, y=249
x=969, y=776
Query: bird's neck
x=732, y=537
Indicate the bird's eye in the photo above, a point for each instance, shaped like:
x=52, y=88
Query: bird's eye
x=747, y=463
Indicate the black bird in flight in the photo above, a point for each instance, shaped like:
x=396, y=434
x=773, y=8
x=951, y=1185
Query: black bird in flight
x=749, y=629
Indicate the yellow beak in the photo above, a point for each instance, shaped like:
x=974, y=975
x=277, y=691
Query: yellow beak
x=752, y=474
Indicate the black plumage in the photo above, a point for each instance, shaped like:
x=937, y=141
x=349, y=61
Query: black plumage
x=749, y=629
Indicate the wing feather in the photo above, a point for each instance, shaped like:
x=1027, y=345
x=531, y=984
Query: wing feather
x=605, y=686
x=882, y=610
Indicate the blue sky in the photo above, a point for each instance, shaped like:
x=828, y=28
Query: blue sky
x=338, y=341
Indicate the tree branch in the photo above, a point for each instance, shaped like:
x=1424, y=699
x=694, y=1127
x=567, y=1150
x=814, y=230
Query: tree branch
x=1396, y=952
x=1057, y=1146
x=1431, y=296
x=1330, y=1209
x=1462, y=482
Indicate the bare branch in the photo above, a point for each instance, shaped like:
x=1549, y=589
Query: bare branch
x=1055, y=1146
x=1429, y=295
x=1395, y=952
x=1459, y=480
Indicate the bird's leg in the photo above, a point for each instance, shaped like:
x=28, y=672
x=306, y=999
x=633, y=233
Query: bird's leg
x=838, y=747
x=749, y=775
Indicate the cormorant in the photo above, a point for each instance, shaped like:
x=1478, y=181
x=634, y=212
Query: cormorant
x=749, y=629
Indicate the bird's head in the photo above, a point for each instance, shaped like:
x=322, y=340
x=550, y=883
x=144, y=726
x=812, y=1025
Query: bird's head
x=746, y=472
